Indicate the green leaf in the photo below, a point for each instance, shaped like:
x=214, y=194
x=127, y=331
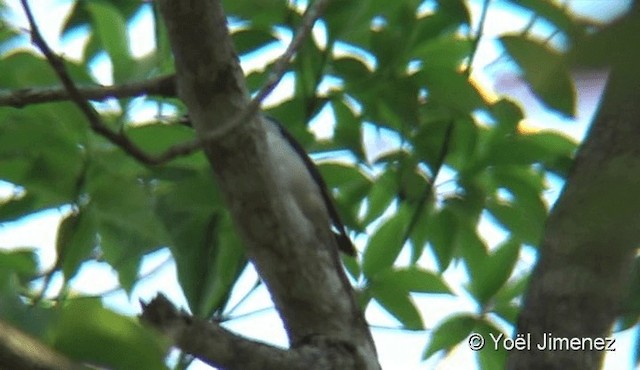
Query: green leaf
x=555, y=13
x=448, y=333
x=20, y=261
x=552, y=149
x=249, y=40
x=489, y=357
x=24, y=69
x=44, y=159
x=352, y=187
x=80, y=16
x=349, y=21
x=524, y=217
x=263, y=13
x=353, y=70
x=75, y=241
x=156, y=138
x=88, y=332
x=472, y=248
x=508, y=115
x=209, y=256
x=111, y=29
x=494, y=271
x=545, y=71
x=385, y=244
x=309, y=65
x=398, y=303
x=413, y=279
x=451, y=89
x=383, y=191
x=348, y=130
x=442, y=233
x=446, y=52
x=121, y=205
x=455, y=10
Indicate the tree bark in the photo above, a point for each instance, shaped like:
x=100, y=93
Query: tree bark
x=592, y=234
x=296, y=259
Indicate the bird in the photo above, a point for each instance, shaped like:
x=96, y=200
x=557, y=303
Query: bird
x=305, y=182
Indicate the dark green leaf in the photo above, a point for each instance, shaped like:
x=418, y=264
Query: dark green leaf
x=352, y=187
x=382, y=193
x=524, y=217
x=442, y=233
x=111, y=29
x=413, y=279
x=456, y=10
x=555, y=13
x=121, y=205
x=20, y=261
x=348, y=131
x=449, y=332
x=80, y=16
x=552, y=149
x=260, y=12
x=75, y=241
x=398, y=303
x=23, y=69
x=545, y=71
x=353, y=70
x=385, y=244
x=451, y=89
x=494, y=271
x=490, y=357
x=309, y=65
x=208, y=254
x=250, y=40
x=447, y=52
x=157, y=138
x=508, y=114
x=88, y=332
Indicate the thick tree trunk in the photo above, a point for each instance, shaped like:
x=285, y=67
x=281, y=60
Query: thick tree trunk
x=296, y=259
x=592, y=234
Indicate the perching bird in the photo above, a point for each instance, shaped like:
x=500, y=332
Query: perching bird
x=305, y=182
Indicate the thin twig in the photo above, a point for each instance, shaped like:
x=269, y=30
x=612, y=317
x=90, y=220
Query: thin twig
x=476, y=40
x=160, y=86
x=92, y=115
x=189, y=147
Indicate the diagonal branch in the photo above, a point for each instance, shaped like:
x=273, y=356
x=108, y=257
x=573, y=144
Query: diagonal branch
x=213, y=344
x=92, y=115
x=161, y=86
x=295, y=256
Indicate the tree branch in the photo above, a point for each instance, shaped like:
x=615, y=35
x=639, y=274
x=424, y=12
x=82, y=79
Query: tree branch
x=161, y=86
x=593, y=232
x=116, y=138
x=20, y=351
x=296, y=258
x=218, y=347
x=92, y=115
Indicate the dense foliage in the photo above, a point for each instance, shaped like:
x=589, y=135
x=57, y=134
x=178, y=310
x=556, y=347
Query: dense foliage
x=401, y=67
